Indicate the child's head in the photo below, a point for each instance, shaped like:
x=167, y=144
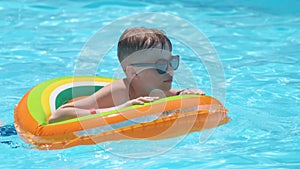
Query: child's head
x=139, y=38
x=146, y=57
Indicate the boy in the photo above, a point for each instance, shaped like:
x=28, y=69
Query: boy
x=145, y=56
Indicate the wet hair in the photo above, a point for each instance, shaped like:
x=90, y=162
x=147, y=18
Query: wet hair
x=139, y=38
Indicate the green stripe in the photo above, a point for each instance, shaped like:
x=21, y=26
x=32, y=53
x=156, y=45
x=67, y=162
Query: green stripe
x=73, y=92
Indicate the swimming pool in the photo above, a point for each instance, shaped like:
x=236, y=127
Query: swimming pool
x=257, y=42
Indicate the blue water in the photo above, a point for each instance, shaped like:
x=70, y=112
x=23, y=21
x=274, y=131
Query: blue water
x=257, y=42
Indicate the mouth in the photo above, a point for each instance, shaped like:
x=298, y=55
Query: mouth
x=169, y=80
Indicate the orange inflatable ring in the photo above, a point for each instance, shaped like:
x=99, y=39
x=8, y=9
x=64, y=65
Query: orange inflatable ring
x=190, y=113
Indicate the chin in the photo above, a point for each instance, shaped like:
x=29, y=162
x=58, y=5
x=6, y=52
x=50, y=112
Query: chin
x=166, y=87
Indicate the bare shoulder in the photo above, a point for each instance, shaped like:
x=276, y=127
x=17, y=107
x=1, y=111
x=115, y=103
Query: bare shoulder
x=112, y=94
x=116, y=86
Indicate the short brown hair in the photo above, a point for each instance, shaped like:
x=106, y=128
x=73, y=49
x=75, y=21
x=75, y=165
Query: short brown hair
x=135, y=39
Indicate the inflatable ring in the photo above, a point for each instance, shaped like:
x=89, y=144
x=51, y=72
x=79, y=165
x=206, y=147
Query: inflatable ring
x=190, y=113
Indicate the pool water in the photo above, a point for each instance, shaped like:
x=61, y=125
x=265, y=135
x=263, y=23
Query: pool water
x=257, y=42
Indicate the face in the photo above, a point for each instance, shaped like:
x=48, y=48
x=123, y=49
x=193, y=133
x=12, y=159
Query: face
x=154, y=70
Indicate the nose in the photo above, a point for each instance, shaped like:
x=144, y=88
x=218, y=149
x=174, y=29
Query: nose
x=170, y=70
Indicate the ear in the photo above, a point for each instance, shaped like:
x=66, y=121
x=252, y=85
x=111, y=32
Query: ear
x=130, y=72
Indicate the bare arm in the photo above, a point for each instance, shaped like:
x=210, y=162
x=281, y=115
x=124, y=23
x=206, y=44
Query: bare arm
x=66, y=112
x=74, y=112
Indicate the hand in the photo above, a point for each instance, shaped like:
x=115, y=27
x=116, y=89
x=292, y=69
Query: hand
x=139, y=101
x=191, y=91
